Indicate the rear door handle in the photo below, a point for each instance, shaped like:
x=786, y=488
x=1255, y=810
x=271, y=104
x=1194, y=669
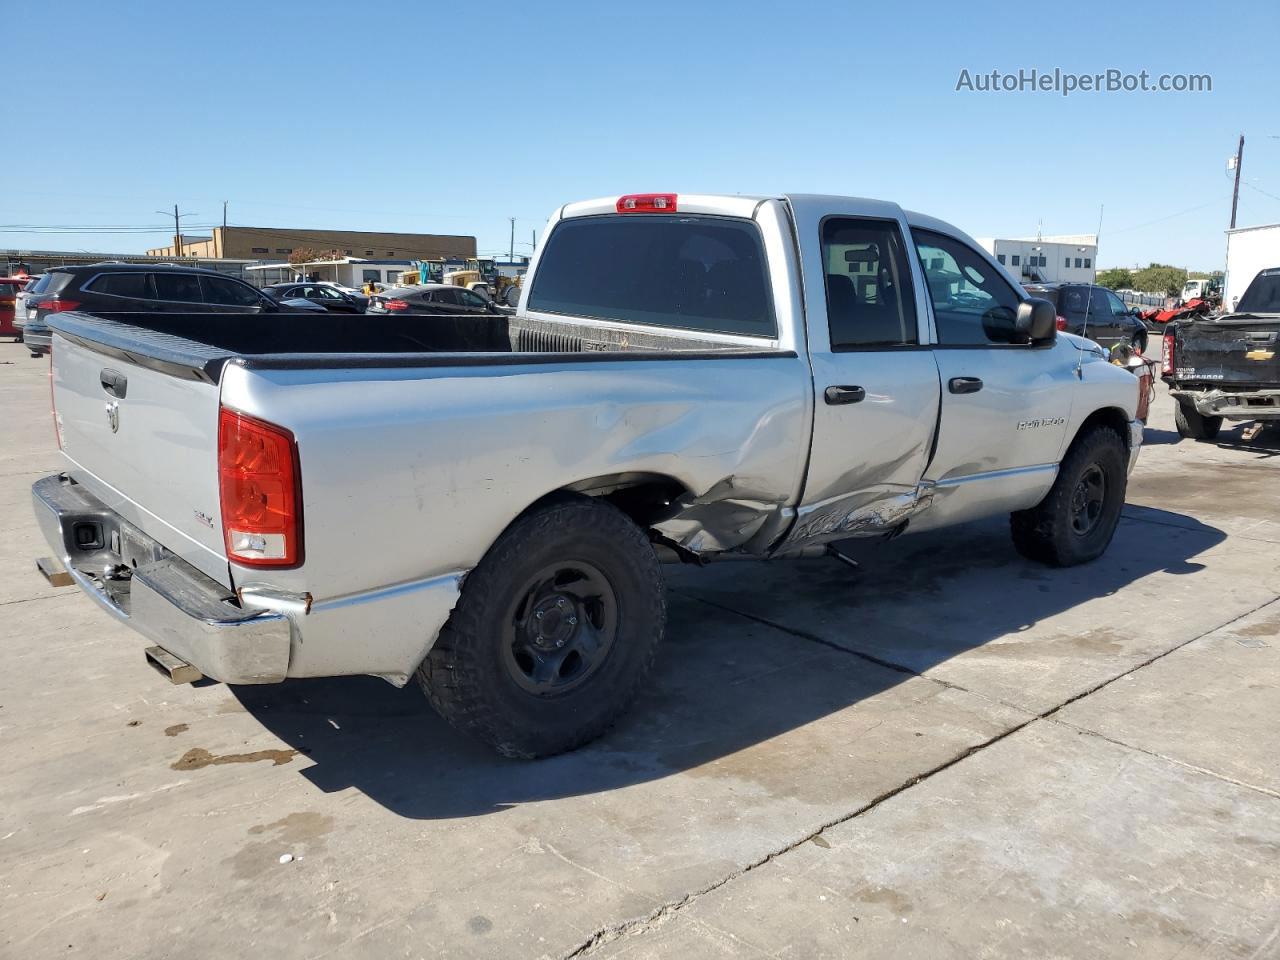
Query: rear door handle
x=848, y=394
x=964, y=384
x=114, y=382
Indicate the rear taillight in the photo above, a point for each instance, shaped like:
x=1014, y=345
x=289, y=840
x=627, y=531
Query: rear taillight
x=1167, y=366
x=1062, y=322
x=56, y=304
x=396, y=305
x=647, y=203
x=261, y=498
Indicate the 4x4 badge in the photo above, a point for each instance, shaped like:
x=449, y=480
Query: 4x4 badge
x=113, y=415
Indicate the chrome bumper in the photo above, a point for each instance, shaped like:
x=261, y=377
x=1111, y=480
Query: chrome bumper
x=1135, y=442
x=165, y=599
x=1234, y=405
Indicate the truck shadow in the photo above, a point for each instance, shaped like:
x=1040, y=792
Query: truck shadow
x=726, y=681
x=1233, y=437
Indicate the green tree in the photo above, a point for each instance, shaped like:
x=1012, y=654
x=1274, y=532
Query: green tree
x=1160, y=278
x=1117, y=278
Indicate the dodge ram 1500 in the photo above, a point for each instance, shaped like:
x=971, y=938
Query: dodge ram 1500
x=484, y=503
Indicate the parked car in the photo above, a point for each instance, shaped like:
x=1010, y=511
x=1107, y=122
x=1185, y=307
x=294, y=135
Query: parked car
x=9, y=289
x=329, y=295
x=1088, y=310
x=126, y=287
x=691, y=377
x=431, y=298
x=1226, y=367
x=20, y=301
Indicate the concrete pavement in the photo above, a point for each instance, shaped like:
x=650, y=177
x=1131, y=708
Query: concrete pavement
x=952, y=752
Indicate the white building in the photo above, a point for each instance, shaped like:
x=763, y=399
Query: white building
x=1068, y=257
x=1249, y=250
x=349, y=271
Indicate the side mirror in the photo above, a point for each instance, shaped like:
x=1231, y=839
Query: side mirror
x=1037, y=320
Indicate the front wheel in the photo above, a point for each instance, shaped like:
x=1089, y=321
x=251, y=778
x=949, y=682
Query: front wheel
x=554, y=633
x=1076, y=520
x=1194, y=425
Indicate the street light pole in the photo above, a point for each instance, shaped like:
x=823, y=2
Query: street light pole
x=1235, y=191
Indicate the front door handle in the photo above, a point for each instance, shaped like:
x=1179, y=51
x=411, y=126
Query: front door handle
x=838, y=395
x=964, y=384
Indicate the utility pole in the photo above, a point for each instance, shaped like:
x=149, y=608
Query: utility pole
x=177, y=231
x=222, y=237
x=511, y=255
x=1235, y=191
x=535, y=241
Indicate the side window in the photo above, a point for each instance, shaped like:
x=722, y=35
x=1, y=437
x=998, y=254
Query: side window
x=470, y=299
x=325, y=293
x=1117, y=305
x=122, y=285
x=1074, y=300
x=445, y=296
x=1099, y=306
x=972, y=304
x=869, y=297
x=178, y=287
x=227, y=292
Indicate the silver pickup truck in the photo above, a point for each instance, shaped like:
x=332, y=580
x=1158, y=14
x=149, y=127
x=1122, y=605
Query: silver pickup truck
x=483, y=503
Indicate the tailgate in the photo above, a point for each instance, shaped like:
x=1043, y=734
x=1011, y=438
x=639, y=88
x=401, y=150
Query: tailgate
x=145, y=443
x=1245, y=353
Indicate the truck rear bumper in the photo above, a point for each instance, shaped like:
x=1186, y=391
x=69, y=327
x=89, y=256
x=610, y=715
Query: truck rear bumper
x=1233, y=404
x=165, y=599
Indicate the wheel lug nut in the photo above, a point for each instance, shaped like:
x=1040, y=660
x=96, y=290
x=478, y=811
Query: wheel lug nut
x=573, y=621
x=538, y=615
x=560, y=602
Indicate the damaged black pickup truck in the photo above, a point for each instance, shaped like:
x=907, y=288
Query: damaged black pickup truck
x=1226, y=367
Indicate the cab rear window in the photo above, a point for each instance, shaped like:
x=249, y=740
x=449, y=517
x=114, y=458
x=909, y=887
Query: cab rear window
x=683, y=272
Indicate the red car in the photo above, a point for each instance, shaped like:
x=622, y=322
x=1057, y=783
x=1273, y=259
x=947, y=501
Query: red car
x=9, y=287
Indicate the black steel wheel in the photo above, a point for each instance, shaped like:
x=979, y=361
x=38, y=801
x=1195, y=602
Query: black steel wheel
x=554, y=633
x=1076, y=520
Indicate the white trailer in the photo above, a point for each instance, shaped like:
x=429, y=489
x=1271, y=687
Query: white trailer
x=1249, y=250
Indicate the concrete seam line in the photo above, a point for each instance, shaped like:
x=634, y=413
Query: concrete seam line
x=43, y=596
x=1159, y=656
x=1167, y=759
x=643, y=924
x=1186, y=529
x=869, y=658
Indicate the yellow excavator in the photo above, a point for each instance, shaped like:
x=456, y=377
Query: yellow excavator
x=481, y=276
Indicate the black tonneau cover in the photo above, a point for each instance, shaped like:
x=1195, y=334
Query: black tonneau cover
x=197, y=346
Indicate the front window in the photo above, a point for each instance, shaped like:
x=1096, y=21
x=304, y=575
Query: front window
x=228, y=292
x=868, y=284
x=685, y=272
x=972, y=304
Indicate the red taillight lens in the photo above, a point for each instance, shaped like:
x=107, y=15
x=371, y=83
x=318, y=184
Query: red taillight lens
x=1062, y=322
x=259, y=482
x=56, y=304
x=1167, y=367
x=647, y=203
x=396, y=305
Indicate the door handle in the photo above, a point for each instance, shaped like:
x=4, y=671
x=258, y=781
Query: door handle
x=964, y=384
x=838, y=395
x=114, y=382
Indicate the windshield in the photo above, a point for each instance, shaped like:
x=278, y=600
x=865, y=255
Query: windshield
x=1263, y=295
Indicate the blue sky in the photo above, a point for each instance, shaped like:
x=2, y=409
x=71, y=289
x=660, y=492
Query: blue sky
x=394, y=116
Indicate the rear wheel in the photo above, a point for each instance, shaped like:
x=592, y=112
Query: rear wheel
x=513, y=296
x=1194, y=425
x=1076, y=520
x=554, y=632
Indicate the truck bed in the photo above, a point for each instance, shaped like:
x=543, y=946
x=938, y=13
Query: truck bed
x=198, y=345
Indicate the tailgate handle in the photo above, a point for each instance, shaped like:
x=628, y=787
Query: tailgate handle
x=1261, y=336
x=114, y=382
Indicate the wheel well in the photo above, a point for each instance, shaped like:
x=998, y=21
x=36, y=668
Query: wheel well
x=647, y=498
x=1111, y=417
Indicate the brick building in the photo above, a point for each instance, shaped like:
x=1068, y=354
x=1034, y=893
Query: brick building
x=277, y=243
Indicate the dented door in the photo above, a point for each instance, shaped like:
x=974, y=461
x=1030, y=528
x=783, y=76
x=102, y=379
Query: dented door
x=876, y=391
